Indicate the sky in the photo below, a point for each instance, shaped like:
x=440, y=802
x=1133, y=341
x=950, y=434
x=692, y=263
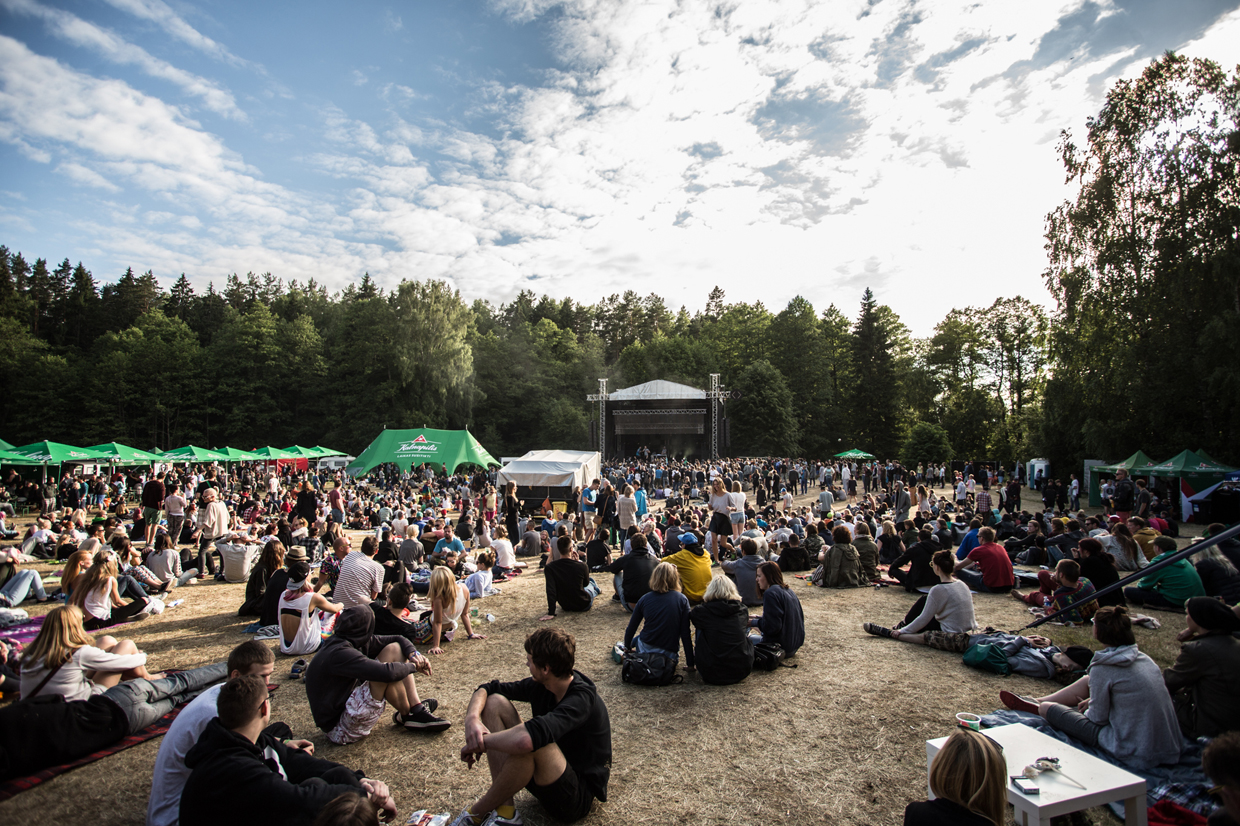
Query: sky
x=579, y=148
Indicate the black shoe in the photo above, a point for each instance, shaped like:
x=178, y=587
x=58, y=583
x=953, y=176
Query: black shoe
x=876, y=629
x=423, y=720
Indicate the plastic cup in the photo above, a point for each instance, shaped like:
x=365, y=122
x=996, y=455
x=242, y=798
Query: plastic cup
x=970, y=721
x=473, y=612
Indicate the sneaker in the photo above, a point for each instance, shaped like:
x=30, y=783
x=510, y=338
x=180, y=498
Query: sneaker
x=466, y=819
x=424, y=720
x=1017, y=702
x=139, y=617
x=876, y=629
x=430, y=704
x=496, y=820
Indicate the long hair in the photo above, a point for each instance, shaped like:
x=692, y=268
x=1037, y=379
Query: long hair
x=970, y=770
x=1213, y=554
x=773, y=574
x=1123, y=535
x=60, y=636
x=443, y=588
x=664, y=578
x=103, y=567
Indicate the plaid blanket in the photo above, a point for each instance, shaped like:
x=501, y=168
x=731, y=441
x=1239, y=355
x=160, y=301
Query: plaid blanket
x=20, y=784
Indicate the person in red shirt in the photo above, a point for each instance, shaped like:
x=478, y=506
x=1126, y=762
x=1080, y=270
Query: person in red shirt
x=993, y=574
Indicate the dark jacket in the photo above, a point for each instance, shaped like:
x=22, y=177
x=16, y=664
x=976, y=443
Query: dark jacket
x=1204, y=684
x=566, y=585
x=722, y=649
x=307, y=506
x=255, y=589
x=794, y=559
x=238, y=782
x=782, y=619
x=48, y=731
x=346, y=660
x=942, y=812
x=635, y=568
x=271, y=596
x=921, y=573
x=1218, y=582
x=1101, y=573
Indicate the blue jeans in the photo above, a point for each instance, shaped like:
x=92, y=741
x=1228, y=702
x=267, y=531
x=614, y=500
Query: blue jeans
x=973, y=579
x=145, y=701
x=19, y=587
x=642, y=648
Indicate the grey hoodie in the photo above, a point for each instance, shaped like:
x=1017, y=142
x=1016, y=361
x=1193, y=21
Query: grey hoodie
x=1128, y=698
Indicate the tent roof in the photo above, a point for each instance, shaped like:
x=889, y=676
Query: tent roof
x=445, y=448
x=656, y=390
x=5, y=445
x=1184, y=463
x=553, y=468
x=1138, y=459
x=122, y=454
x=55, y=453
x=7, y=457
x=192, y=453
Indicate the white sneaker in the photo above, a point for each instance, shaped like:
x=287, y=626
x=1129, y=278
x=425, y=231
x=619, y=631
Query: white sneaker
x=464, y=819
x=496, y=820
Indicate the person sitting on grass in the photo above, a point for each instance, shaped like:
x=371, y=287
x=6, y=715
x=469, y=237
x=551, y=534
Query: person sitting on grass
x=568, y=582
x=795, y=558
x=693, y=565
x=449, y=609
x=18, y=584
x=840, y=560
x=782, y=620
x=164, y=563
x=969, y=781
x=96, y=594
x=1169, y=588
x=479, y=582
x=392, y=614
x=1121, y=706
x=994, y=574
x=631, y=572
x=300, y=626
x=1098, y=566
x=722, y=651
x=357, y=673
x=1221, y=763
x=168, y=780
x=919, y=558
x=1060, y=589
x=1205, y=679
x=241, y=774
x=745, y=572
x=867, y=552
x=561, y=755
x=270, y=560
x=935, y=617
x=663, y=614
x=65, y=660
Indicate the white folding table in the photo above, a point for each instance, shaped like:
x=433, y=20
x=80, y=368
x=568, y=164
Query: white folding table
x=1103, y=782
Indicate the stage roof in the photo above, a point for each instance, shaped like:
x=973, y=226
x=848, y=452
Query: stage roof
x=657, y=390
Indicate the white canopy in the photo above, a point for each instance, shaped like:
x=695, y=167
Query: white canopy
x=552, y=468
x=657, y=390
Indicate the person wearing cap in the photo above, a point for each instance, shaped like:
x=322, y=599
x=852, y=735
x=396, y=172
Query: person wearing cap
x=1205, y=679
x=299, y=606
x=1169, y=587
x=693, y=565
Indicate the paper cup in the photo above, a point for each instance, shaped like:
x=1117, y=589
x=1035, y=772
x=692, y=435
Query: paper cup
x=970, y=721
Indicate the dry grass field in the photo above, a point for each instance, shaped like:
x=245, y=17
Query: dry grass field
x=840, y=739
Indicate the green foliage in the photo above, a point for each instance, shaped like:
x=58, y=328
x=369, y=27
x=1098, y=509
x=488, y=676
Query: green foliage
x=761, y=419
x=879, y=342
x=927, y=443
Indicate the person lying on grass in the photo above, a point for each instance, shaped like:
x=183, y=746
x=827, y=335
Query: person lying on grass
x=561, y=755
x=241, y=774
x=357, y=673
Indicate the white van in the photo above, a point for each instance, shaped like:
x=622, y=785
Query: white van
x=334, y=463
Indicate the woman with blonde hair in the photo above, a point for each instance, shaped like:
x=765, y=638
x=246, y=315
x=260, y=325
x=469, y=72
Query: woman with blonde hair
x=723, y=651
x=65, y=660
x=96, y=595
x=890, y=545
x=449, y=608
x=737, y=513
x=720, y=516
x=969, y=780
x=665, y=612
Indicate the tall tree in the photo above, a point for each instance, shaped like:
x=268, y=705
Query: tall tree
x=876, y=411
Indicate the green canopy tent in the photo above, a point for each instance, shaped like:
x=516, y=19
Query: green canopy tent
x=237, y=455
x=5, y=445
x=854, y=454
x=1098, y=471
x=192, y=453
x=271, y=454
x=300, y=452
x=447, y=449
x=53, y=453
x=114, y=453
x=324, y=452
x=8, y=457
x=1195, y=473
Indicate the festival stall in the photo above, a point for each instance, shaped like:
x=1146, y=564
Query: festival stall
x=1194, y=471
x=1094, y=474
x=447, y=449
x=550, y=474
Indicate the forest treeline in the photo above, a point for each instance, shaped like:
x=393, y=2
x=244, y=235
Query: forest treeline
x=1140, y=351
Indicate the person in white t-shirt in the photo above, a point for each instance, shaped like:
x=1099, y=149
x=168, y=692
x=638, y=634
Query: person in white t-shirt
x=164, y=808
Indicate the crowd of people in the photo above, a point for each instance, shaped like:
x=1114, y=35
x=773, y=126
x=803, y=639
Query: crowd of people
x=691, y=549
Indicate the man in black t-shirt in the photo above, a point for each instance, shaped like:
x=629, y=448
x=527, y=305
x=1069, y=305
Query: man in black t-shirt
x=562, y=755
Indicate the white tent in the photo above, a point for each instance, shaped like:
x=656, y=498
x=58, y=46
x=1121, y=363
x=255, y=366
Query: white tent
x=552, y=468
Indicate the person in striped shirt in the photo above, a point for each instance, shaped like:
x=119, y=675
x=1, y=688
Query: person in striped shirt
x=361, y=578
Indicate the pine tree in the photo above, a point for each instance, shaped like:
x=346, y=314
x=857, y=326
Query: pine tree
x=179, y=299
x=81, y=309
x=876, y=392
x=53, y=321
x=40, y=293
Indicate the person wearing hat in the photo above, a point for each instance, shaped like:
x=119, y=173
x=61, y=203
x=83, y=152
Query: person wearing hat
x=1169, y=587
x=299, y=606
x=1205, y=680
x=693, y=565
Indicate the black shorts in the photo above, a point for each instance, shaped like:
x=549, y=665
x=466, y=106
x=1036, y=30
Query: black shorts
x=567, y=799
x=720, y=524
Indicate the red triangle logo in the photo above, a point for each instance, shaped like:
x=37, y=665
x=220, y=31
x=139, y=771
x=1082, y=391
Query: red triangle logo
x=421, y=440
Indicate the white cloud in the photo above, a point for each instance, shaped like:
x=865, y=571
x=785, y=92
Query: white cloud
x=79, y=32
x=392, y=21
x=89, y=177
x=158, y=12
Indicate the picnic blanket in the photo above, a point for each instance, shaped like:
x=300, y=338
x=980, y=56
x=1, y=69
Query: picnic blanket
x=18, y=785
x=1184, y=783
x=24, y=632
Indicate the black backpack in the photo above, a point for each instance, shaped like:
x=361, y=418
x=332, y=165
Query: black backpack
x=650, y=668
x=768, y=656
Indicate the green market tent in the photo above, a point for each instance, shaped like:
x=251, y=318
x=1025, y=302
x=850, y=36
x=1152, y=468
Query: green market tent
x=299, y=452
x=5, y=445
x=323, y=452
x=114, y=453
x=1186, y=464
x=267, y=454
x=8, y=457
x=1136, y=460
x=192, y=453
x=447, y=449
x=54, y=453
x=854, y=454
x=237, y=455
